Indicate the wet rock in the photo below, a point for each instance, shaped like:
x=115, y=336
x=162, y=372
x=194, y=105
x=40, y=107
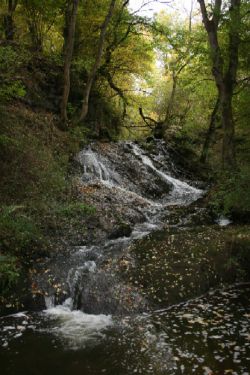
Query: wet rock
x=240, y=215
x=123, y=230
x=173, y=265
x=127, y=185
x=105, y=293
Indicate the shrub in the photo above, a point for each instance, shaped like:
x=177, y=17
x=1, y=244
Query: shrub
x=232, y=194
x=8, y=272
x=17, y=231
x=10, y=62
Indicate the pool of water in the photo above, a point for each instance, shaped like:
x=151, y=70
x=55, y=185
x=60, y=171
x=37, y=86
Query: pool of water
x=206, y=335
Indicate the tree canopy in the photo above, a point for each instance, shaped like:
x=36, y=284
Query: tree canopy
x=171, y=75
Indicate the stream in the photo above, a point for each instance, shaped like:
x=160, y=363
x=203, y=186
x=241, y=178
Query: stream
x=155, y=296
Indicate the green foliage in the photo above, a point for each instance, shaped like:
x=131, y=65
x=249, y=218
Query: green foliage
x=8, y=59
x=5, y=141
x=10, y=62
x=74, y=209
x=9, y=272
x=78, y=136
x=232, y=193
x=71, y=109
x=17, y=231
x=43, y=19
x=8, y=91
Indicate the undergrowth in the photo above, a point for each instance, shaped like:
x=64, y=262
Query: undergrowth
x=37, y=203
x=9, y=272
x=231, y=196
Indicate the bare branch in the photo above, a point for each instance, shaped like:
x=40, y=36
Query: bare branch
x=148, y=120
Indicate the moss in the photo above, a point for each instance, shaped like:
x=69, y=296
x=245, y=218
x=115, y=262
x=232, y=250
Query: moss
x=73, y=209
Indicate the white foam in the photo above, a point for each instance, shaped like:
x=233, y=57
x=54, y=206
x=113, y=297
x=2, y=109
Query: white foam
x=49, y=301
x=92, y=166
x=77, y=329
x=90, y=266
x=223, y=221
x=180, y=189
x=16, y=315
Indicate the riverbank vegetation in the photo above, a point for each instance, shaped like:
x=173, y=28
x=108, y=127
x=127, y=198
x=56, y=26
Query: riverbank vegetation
x=74, y=71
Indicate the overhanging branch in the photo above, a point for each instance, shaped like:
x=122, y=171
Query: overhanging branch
x=148, y=120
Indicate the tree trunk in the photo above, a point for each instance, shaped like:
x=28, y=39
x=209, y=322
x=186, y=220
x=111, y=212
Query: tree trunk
x=68, y=53
x=106, y=74
x=91, y=78
x=67, y=18
x=36, y=38
x=225, y=82
x=210, y=132
x=228, y=149
x=9, y=26
x=169, y=112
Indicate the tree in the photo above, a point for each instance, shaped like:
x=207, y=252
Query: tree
x=178, y=46
x=119, y=36
x=41, y=17
x=68, y=52
x=224, y=69
x=9, y=27
x=92, y=74
x=210, y=132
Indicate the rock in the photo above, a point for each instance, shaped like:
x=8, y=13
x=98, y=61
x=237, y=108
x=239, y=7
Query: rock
x=123, y=230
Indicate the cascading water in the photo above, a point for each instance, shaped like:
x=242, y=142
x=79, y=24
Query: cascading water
x=76, y=328
x=104, y=168
x=181, y=193
x=90, y=289
x=92, y=167
x=106, y=324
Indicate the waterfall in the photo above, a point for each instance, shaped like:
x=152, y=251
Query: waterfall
x=107, y=169
x=181, y=192
x=136, y=182
x=92, y=167
x=76, y=328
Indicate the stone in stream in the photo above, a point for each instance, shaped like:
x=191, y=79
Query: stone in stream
x=123, y=230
